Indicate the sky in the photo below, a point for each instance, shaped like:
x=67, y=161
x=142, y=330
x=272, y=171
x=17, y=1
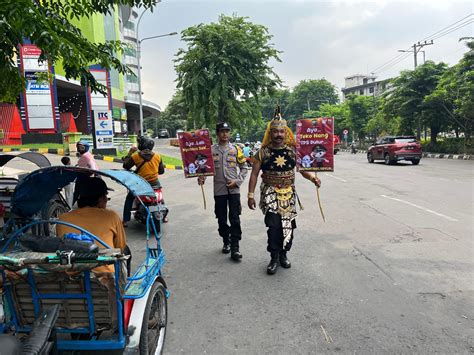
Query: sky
x=318, y=39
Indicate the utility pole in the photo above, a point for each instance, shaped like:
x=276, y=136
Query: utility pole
x=417, y=48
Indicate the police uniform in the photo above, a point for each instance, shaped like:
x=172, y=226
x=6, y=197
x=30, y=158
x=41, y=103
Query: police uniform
x=229, y=165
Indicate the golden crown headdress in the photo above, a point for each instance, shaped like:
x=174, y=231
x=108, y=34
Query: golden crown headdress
x=278, y=121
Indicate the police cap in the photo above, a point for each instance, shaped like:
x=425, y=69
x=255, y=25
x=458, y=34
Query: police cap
x=222, y=126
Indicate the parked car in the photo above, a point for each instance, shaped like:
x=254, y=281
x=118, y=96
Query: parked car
x=163, y=133
x=394, y=148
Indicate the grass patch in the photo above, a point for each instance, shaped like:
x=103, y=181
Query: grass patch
x=171, y=161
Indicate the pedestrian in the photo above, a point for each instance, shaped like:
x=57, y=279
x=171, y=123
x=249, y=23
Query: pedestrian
x=148, y=165
x=247, y=150
x=69, y=188
x=277, y=160
x=230, y=172
x=86, y=159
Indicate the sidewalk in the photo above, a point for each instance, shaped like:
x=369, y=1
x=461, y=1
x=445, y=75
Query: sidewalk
x=61, y=152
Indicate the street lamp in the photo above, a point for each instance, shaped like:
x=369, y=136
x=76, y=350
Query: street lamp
x=139, y=42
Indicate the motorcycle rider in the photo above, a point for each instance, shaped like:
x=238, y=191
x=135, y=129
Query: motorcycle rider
x=353, y=147
x=148, y=165
x=86, y=159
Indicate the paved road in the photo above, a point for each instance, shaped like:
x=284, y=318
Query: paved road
x=391, y=271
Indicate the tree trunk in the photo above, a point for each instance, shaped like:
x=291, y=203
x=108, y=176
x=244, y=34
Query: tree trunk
x=434, y=133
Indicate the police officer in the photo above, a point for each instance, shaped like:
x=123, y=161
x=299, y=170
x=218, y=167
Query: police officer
x=230, y=172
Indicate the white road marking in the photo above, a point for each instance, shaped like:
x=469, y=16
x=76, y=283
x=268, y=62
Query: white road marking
x=422, y=208
x=335, y=177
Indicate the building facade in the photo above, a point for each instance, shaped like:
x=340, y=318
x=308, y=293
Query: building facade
x=365, y=85
x=72, y=104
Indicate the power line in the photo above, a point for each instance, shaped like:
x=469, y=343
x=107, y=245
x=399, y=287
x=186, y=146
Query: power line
x=440, y=33
x=430, y=36
x=453, y=29
x=388, y=65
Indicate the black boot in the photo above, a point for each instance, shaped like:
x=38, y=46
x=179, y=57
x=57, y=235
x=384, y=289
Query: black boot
x=273, y=265
x=226, y=245
x=284, y=262
x=235, y=252
x=226, y=248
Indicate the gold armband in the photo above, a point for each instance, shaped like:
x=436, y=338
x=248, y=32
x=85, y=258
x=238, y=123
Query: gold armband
x=250, y=195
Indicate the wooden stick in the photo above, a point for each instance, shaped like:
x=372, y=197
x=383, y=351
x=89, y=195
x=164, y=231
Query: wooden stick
x=319, y=200
x=203, y=195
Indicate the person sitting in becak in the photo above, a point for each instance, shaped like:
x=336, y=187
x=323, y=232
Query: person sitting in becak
x=93, y=216
x=148, y=165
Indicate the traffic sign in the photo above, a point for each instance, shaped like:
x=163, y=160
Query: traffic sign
x=103, y=128
x=345, y=132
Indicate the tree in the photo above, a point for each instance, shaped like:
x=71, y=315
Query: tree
x=308, y=95
x=361, y=110
x=455, y=93
x=407, y=99
x=47, y=24
x=225, y=64
x=172, y=118
x=341, y=114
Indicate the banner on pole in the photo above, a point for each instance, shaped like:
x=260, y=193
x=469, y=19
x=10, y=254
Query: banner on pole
x=196, y=153
x=315, y=144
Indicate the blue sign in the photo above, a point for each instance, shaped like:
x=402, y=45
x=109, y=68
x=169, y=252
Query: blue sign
x=104, y=133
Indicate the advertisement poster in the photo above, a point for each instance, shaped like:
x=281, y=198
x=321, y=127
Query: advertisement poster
x=315, y=144
x=196, y=153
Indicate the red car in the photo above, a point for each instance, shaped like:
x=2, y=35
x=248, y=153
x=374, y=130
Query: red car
x=394, y=148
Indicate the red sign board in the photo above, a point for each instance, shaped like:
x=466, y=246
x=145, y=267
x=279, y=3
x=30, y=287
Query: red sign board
x=196, y=153
x=315, y=144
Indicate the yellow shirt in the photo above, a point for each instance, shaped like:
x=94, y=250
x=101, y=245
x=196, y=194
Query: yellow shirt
x=103, y=223
x=149, y=170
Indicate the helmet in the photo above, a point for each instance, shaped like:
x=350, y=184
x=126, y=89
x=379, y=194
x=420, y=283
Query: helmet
x=247, y=143
x=145, y=143
x=84, y=144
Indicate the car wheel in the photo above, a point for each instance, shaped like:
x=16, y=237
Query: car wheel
x=370, y=158
x=415, y=161
x=387, y=159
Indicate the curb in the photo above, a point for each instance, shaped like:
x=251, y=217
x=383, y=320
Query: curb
x=428, y=155
x=61, y=152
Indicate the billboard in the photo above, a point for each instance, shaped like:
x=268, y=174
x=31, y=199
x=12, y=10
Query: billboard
x=315, y=144
x=38, y=95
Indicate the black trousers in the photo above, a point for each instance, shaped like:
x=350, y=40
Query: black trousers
x=230, y=202
x=275, y=233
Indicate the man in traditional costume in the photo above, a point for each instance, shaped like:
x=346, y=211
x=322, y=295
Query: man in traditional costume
x=277, y=160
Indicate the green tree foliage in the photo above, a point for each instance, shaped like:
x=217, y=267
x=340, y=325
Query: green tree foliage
x=172, y=118
x=308, y=95
x=341, y=114
x=361, y=110
x=407, y=99
x=47, y=24
x=455, y=93
x=226, y=63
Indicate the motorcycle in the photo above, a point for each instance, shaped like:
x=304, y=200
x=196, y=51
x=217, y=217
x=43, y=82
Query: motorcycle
x=155, y=204
x=353, y=149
